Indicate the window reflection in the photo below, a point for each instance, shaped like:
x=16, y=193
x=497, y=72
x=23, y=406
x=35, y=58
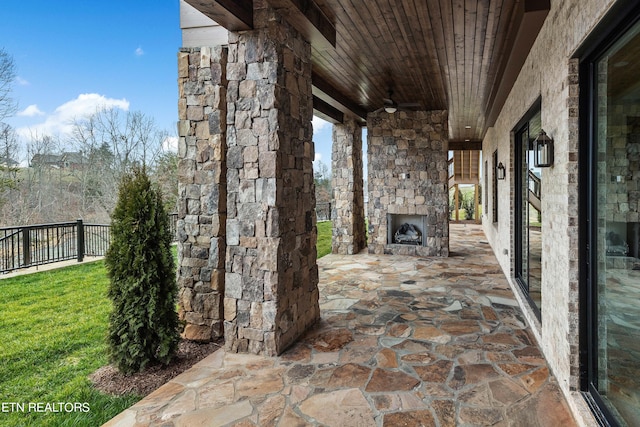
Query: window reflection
x=618, y=234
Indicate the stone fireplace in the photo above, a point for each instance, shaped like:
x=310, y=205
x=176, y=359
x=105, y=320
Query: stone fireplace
x=407, y=169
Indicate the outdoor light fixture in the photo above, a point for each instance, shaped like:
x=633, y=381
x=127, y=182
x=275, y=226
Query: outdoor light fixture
x=390, y=109
x=543, y=151
x=500, y=171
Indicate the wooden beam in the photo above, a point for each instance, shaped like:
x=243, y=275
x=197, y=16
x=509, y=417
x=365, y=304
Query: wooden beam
x=465, y=145
x=234, y=15
x=536, y=5
x=326, y=111
x=531, y=16
x=309, y=20
x=323, y=90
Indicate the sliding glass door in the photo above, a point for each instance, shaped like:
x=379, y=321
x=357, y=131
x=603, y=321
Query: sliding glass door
x=528, y=214
x=613, y=230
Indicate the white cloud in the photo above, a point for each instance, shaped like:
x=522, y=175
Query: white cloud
x=318, y=157
x=61, y=121
x=31, y=111
x=139, y=51
x=170, y=143
x=22, y=82
x=319, y=123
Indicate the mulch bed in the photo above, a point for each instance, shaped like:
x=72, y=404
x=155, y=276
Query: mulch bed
x=110, y=381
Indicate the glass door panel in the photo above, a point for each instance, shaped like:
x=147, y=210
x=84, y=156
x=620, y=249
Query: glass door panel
x=529, y=213
x=617, y=234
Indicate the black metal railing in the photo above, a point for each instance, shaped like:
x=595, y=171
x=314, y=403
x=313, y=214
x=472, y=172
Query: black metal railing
x=323, y=211
x=535, y=184
x=33, y=245
x=96, y=239
x=173, y=224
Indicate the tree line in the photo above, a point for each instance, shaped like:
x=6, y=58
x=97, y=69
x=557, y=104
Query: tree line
x=47, y=178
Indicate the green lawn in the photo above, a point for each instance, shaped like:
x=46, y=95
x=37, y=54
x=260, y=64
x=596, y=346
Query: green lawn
x=324, y=238
x=52, y=333
x=52, y=329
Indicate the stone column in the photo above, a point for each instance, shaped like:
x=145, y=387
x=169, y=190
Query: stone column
x=202, y=190
x=271, y=294
x=347, y=211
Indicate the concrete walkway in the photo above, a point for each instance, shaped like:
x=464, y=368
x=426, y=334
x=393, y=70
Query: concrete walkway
x=402, y=342
x=48, y=267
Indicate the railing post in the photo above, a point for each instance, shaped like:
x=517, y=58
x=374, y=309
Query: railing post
x=80, y=242
x=26, y=246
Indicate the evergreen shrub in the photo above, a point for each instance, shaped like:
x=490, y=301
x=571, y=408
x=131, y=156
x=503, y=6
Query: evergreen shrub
x=143, y=327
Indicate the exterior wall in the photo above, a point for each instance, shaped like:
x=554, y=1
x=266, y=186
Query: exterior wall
x=271, y=294
x=201, y=189
x=407, y=155
x=549, y=73
x=347, y=214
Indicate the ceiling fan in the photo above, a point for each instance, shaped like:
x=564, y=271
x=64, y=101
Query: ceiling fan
x=390, y=106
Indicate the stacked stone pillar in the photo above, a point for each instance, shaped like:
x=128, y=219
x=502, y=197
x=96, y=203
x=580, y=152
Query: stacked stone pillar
x=202, y=190
x=347, y=211
x=271, y=294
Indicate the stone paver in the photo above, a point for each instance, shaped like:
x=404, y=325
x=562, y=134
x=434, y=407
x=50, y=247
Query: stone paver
x=401, y=341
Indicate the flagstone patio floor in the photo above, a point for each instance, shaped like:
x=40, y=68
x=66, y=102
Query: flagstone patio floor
x=402, y=342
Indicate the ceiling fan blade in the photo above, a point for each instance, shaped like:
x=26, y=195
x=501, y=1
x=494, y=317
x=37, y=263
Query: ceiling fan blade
x=409, y=105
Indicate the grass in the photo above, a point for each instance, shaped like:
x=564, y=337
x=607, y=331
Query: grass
x=53, y=326
x=52, y=329
x=324, y=238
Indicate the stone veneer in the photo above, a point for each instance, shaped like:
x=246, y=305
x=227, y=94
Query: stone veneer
x=271, y=294
x=201, y=188
x=407, y=167
x=347, y=213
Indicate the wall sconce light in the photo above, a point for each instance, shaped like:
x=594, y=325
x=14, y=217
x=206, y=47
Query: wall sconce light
x=543, y=151
x=500, y=171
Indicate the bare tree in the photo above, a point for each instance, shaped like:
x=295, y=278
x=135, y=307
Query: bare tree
x=8, y=148
x=78, y=176
x=8, y=165
x=41, y=183
x=8, y=142
x=133, y=138
x=165, y=173
x=8, y=106
x=322, y=180
x=112, y=143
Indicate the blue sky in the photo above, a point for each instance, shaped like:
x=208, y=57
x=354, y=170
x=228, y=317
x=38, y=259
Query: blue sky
x=75, y=55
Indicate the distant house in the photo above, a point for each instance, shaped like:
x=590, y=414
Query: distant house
x=66, y=160
x=8, y=162
x=73, y=160
x=46, y=160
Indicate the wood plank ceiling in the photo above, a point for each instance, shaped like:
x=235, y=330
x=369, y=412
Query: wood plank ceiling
x=458, y=55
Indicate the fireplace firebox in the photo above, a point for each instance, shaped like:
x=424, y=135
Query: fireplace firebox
x=406, y=229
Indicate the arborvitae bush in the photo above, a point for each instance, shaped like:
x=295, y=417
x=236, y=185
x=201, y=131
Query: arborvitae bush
x=143, y=327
